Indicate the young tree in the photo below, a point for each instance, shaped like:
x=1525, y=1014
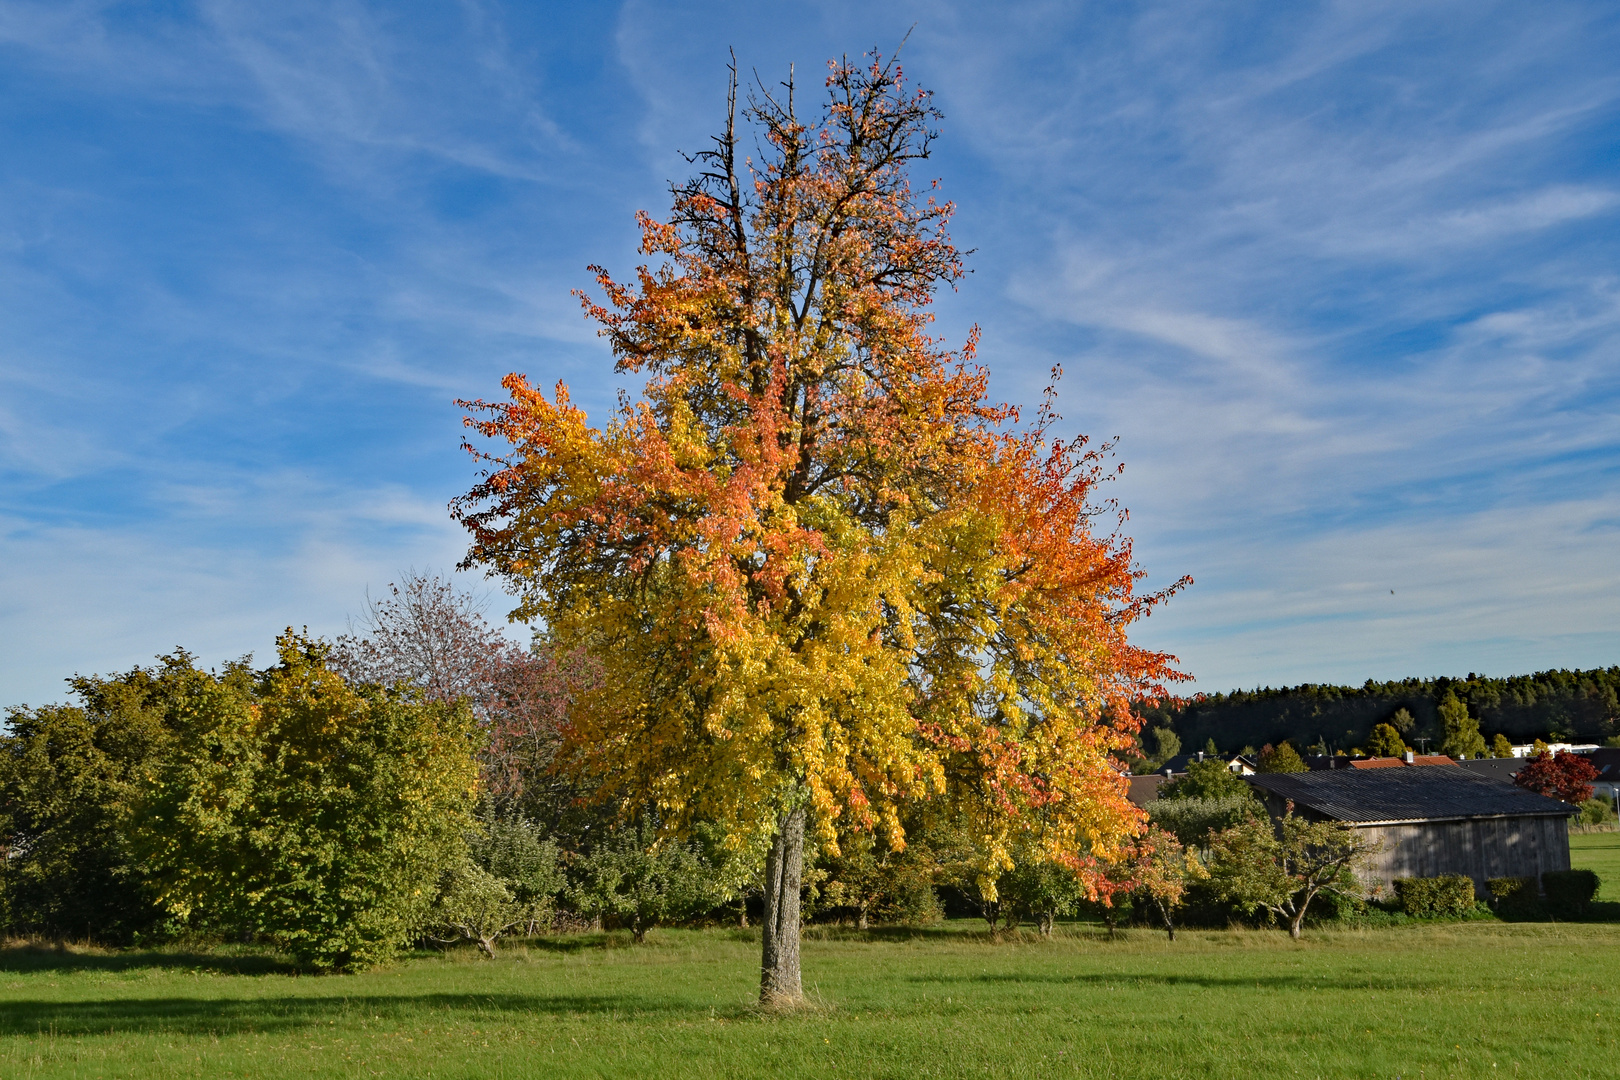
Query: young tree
x=1560, y=776
x=508, y=880
x=1113, y=883
x=1500, y=746
x=645, y=880
x=1164, y=871
x=876, y=881
x=1403, y=721
x=1281, y=868
x=478, y=906
x=429, y=635
x=1463, y=739
x=821, y=573
x=432, y=636
x=1385, y=741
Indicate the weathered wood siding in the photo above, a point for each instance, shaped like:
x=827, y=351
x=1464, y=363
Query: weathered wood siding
x=1484, y=848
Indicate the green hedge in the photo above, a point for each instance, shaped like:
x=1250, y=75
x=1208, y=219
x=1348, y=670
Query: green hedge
x=1448, y=894
x=1513, y=891
x=1569, y=890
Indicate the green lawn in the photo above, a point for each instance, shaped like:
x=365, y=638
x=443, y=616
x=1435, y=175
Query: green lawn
x=1600, y=852
x=1465, y=999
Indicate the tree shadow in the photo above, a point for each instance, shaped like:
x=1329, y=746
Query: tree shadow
x=196, y=1016
x=23, y=959
x=1598, y=911
x=1209, y=982
x=896, y=933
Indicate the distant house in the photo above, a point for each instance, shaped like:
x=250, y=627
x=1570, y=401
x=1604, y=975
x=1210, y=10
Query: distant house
x=1400, y=762
x=1432, y=820
x=1606, y=760
x=1177, y=765
x=1144, y=789
x=1321, y=762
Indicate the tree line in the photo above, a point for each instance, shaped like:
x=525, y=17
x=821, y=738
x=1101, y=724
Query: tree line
x=1554, y=706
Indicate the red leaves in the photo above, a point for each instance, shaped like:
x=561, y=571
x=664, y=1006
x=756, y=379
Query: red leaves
x=816, y=561
x=1560, y=776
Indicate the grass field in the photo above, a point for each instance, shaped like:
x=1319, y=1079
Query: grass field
x=1600, y=852
x=1439, y=1000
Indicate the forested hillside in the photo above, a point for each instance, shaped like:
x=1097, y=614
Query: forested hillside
x=1552, y=705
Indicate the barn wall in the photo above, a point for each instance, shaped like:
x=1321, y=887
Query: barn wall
x=1481, y=849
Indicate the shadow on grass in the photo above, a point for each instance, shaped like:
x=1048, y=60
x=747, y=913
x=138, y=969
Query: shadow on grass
x=834, y=932
x=21, y=959
x=1599, y=911
x=195, y=1016
x=1209, y=982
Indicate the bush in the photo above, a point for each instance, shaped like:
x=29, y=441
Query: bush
x=1511, y=888
x=305, y=811
x=1569, y=891
x=1596, y=812
x=1514, y=895
x=1426, y=898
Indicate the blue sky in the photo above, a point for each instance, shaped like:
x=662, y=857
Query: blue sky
x=1344, y=280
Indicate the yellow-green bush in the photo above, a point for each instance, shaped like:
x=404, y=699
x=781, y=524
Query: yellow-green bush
x=1448, y=894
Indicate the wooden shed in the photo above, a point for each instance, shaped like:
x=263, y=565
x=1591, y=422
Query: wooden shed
x=1432, y=820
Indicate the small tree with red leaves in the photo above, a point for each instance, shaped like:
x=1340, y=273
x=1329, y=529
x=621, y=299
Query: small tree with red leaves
x=1560, y=776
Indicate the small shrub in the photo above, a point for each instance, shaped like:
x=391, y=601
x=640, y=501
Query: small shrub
x=1569, y=891
x=1511, y=888
x=1596, y=812
x=1446, y=895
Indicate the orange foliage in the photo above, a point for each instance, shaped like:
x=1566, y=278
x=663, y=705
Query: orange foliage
x=817, y=565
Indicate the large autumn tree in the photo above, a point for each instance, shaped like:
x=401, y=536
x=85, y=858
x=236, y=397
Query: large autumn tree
x=822, y=573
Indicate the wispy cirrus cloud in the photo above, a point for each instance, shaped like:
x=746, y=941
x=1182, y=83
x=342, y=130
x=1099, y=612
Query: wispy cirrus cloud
x=1342, y=277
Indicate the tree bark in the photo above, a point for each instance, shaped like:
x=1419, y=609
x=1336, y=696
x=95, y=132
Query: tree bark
x=779, y=980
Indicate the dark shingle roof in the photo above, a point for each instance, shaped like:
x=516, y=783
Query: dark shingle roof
x=1417, y=793
x=1496, y=768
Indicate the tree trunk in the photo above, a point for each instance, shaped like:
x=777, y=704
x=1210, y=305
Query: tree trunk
x=779, y=981
x=863, y=922
x=1297, y=923
x=1046, y=924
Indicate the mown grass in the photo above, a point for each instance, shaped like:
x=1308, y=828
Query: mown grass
x=1466, y=999
x=1429, y=1000
x=1599, y=851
